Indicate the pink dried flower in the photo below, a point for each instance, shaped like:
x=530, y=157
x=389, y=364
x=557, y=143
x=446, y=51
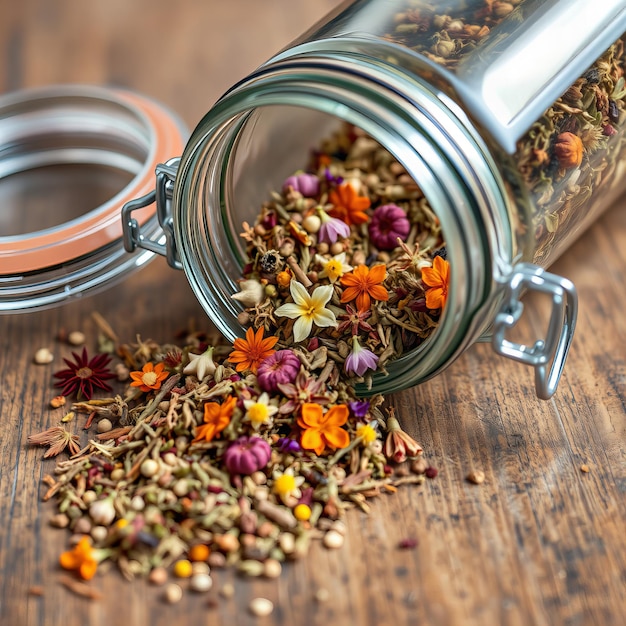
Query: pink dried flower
x=388, y=223
x=304, y=390
x=332, y=228
x=360, y=359
x=399, y=445
x=306, y=184
x=282, y=367
x=247, y=455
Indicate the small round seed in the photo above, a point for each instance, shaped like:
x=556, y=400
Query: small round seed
x=217, y=560
x=272, y=568
x=200, y=583
x=322, y=595
x=227, y=591
x=476, y=477
x=333, y=540
x=60, y=520
x=82, y=526
x=311, y=223
x=261, y=607
x=118, y=474
x=173, y=593
x=99, y=533
x=158, y=576
x=43, y=356
x=419, y=466
x=200, y=567
x=182, y=568
x=104, y=425
x=89, y=496
x=137, y=503
x=181, y=488
x=149, y=468
x=76, y=338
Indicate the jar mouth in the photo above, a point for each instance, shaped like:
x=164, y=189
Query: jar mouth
x=435, y=154
x=55, y=138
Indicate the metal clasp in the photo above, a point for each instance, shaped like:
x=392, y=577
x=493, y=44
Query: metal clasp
x=133, y=237
x=547, y=356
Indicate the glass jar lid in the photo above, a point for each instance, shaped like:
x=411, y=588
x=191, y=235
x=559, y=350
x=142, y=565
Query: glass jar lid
x=70, y=158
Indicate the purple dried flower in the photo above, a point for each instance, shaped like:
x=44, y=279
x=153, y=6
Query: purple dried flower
x=332, y=228
x=360, y=359
x=359, y=408
x=332, y=180
x=306, y=184
x=388, y=223
x=282, y=367
x=247, y=455
x=288, y=446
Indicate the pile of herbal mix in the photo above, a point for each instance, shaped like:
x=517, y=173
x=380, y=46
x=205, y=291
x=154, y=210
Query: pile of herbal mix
x=238, y=455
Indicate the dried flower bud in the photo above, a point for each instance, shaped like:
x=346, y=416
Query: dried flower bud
x=399, y=445
x=251, y=293
x=444, y=48
x=306, y=184
x=569, y=150
x=247, y=455
x=102, y=512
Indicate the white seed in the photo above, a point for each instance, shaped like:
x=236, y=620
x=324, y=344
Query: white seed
x=60, y=520
x=333, y=540
x=340, y=527
x=322, y=595
x=118, y=474
x=43, y=356
x=181, y=488
x=272, y=568
x=149, y=468
x=76, y=338
x=287, y=543
x=261, y=607
x=137, y=503
x=173, y=593
x=200, y=583
x=158, y=576
x=99, y=533
x=227, y=591
x=104, y=425
x=170, y=459
x=89, y=496
x=200, y=567
x=312, y=223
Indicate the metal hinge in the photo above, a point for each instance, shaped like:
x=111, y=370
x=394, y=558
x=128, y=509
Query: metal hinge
x=547, y=355
x=162, y=195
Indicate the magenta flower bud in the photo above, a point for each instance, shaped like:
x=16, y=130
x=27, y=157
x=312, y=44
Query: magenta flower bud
x=387, y=224
x=247, y=455
x=280, y=368
x=307, y=184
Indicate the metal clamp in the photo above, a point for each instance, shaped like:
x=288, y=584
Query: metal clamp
x=133, y=237
x=551, y=352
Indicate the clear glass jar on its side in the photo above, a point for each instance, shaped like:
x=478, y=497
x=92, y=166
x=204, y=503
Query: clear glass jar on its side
x=508, y=115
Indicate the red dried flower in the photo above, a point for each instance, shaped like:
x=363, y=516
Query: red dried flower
x=84, y=375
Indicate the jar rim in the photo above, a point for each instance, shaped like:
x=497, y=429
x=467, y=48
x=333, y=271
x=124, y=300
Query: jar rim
x=47, y=126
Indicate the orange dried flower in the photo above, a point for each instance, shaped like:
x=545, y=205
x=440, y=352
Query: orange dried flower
x=216, y=418
x=363, y=283
x=323, y=429
x=251, y=351
x=437, y=278
x=149, y=377
x=569, y=150
x=348, y=205
x=81, y=558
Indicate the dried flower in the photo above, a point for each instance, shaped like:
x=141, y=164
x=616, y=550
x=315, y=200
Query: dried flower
x=304, y=389
x=306, y=184
x=308, y=309
x=323, y=429
x=216, y=418
x=569, y=150
x=360, y=359
x=359, y=408
x=82, y=557
x=355, y=320
x=251, y=351
x=288, y=445
x=348, y=205
x=331, y=228
x=437, y=278
x=247, y=455
x=399, y=445
x=364, y=283
x=287, y=485
x=251, y=292
x=280, y=368
x=84, y=375
x=57, y=438
x=389, y=223
x=102, y=512
x=259, y=411
x=333, y=268
x=201, y=365
x=150, y=377
x=366, y=433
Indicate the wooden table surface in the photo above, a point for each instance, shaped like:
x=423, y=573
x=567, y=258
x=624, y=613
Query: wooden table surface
x=538, y=543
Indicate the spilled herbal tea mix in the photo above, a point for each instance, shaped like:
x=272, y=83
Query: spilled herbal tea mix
x=241, y=454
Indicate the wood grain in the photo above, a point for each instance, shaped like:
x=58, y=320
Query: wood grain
x=540, y=542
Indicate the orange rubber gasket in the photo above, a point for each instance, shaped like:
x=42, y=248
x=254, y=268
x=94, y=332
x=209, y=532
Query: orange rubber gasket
x=104, y=225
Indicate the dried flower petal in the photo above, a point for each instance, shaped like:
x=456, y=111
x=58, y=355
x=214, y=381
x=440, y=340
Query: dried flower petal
x=437, y=278
x=359, y=360
x=81, y=558
x=57, y=439
x=84, y=375
x=363, y=284
x=280, y=368
x=252, y=350
x=150, y=377
x=348, y=205
x=323, y=429
x=216, y=418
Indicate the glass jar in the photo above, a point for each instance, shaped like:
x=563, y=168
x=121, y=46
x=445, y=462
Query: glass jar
x=508, y=115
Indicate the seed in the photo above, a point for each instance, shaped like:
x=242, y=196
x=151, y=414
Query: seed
x=89, y=496
x=272, y=568
x=340, y=527
x=170, y=459
x=182, y=569
x=259, y=478
x=99, y=533
x=333, y=540
x=57, y=401
x=82, y=526
x=419, y=466
x=431, y=472
x=302, y=512
x=336, y=248
x=477, y=477
x=121, y=372
x=149, y=468
x=200, y=583
x=217, y=560
x=43, y=356
x=250, y=567
x=584, y=468
x=322, y=595
x=118, y=474
x=199, y=552
x=200, y=567
x=60, y=520
x=158, y=576
x=287, y=542
x=76, y=338
x=181, y=488
x=104, y=425
x=261, y=607
x=312, y=223
x=173, y=593
x=227, y=591
x=137, y=503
